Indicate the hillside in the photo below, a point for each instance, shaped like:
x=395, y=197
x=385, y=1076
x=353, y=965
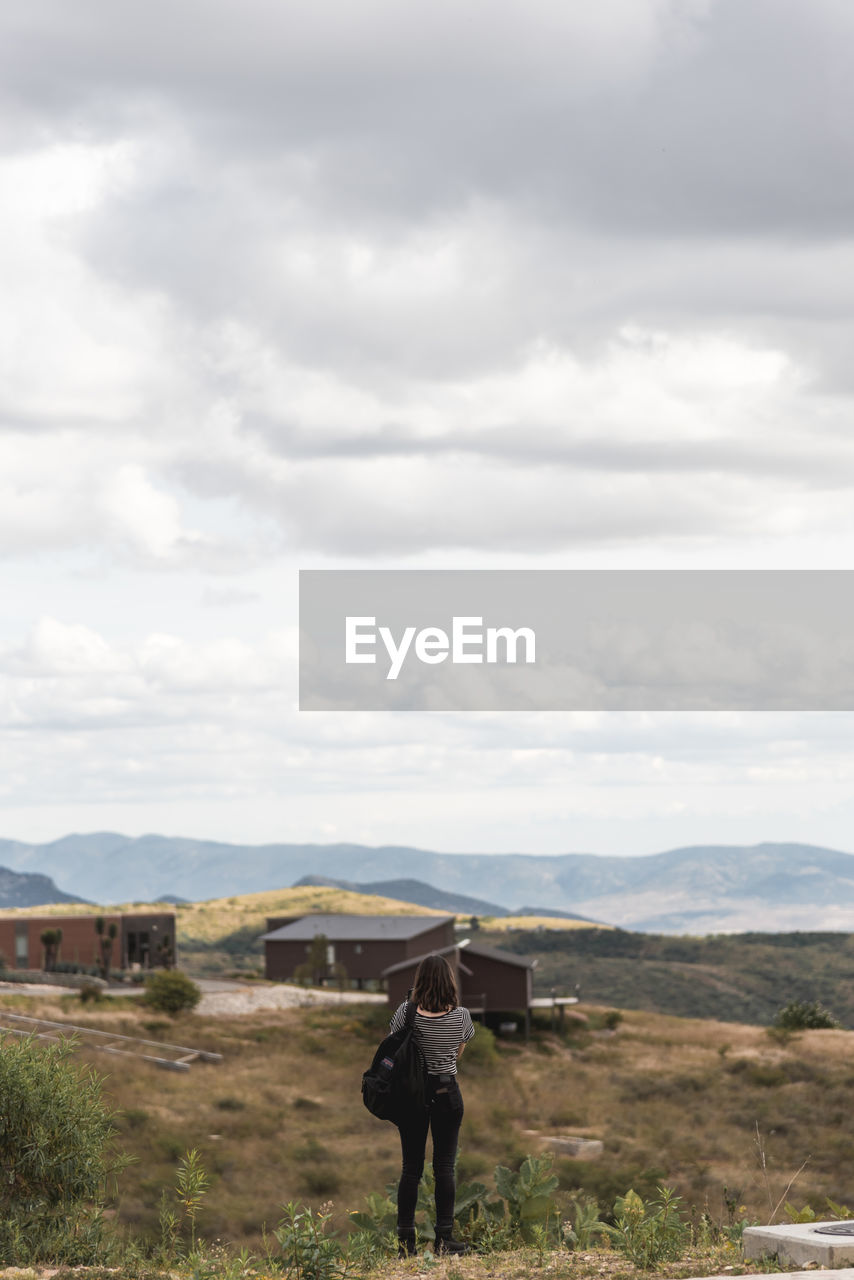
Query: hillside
x=27, y=889
x=739, y=977
x=697, y=890
x=672, y=1100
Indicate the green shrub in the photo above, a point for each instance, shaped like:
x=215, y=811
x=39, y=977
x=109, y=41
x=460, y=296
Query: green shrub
x=56, y=1142
x=805, y=1015
x=528, y=1194
x=170, y=991
x=649, y=1232
x=481, y=1050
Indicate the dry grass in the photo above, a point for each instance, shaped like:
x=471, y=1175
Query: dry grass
x=503, y=924
x=213, y=920
x=673, y=1100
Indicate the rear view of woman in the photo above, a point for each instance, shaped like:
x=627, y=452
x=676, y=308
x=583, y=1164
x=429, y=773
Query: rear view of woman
x=442, y=1029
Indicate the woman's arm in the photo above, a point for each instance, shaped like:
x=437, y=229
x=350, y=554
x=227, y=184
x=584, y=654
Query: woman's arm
x=461, y=1049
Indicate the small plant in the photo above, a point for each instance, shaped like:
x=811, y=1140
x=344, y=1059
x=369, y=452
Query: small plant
x=309, y=1252
x=170, y=991
x=612, y=1019
x=585, y=1227
x=91, y=993
x=191, y=1185
x=803, y=1015
x=806, y=1214
x=528, y=1195
x=649, y=1233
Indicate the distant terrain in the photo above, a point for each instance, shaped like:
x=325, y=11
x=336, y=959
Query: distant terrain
x=698, y=890
x=29, y=889
x=414, y=891
x=745, y=977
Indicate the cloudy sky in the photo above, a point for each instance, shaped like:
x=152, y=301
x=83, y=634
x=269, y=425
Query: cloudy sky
x=473, y=285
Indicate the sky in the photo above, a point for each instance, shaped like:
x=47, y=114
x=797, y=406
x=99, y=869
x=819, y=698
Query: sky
x=459, y=285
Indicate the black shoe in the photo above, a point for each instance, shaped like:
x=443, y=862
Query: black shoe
x=445, y=1243
x=406, y=1242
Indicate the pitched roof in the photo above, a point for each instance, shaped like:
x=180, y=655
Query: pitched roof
x=506, y=957
x=472, y=949
x=412, y=962
x=347, y=928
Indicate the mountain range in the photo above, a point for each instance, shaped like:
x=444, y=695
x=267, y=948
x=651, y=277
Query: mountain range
x=29, y=889
x=701, y=889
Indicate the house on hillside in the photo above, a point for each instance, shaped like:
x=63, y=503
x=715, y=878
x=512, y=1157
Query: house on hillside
x=490, y=981
x=365, y=945
x=145, y=940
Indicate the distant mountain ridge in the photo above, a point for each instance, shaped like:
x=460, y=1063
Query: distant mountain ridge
x=701, y=889
x=30, y=889
x=423, y=895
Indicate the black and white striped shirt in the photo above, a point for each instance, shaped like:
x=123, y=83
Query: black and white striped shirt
x=438, y=1037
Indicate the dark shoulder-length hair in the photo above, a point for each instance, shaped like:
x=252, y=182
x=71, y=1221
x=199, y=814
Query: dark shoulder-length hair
x=435, y=987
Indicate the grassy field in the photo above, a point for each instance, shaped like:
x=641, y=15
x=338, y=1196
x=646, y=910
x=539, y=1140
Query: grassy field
x=685, y=1102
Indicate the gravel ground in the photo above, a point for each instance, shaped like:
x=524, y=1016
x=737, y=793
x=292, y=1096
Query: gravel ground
x=219, y=1004
x=36, y=989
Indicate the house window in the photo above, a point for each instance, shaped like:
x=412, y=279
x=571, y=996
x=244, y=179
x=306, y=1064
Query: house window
x=358, y=948
x=330, y=953
x=22, y=944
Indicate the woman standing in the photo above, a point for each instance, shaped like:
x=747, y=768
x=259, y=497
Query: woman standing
x=442, y=1029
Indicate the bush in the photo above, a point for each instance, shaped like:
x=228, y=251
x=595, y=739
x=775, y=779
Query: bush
x=481, y=1051
x=171, y=991
x=805, y=1015
x=55, y=1137
x=650, y=1233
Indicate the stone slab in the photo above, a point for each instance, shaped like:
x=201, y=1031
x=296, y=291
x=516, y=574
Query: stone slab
x=840, y=1273
x=799, y=1243
x=579, y=1148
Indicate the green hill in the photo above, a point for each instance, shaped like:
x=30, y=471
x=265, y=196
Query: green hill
x=743, y=977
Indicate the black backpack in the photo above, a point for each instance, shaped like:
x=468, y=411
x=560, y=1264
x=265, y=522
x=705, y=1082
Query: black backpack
x=395, y=1083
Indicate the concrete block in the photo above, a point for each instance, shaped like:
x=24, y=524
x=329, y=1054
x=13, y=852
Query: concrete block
x=577, y=1148
x=840, y=1273
x=800, y=1243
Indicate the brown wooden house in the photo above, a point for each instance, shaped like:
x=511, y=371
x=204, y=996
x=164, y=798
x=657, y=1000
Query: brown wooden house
x=364, y=945
x=141, y=939
x=489, y=981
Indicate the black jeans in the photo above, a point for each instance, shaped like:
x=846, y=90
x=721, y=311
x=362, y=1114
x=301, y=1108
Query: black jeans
x=442, y=1118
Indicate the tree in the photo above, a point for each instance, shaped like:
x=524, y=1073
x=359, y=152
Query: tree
x=106, y=937
x=315, y=968
x=50, y=940
x=803, y=1015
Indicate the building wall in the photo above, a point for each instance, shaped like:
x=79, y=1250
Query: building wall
x=435, y=939
x=505, y=986
x=21, y=946
x=364, y=960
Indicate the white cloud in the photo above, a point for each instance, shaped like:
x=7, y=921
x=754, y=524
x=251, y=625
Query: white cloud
x=376, y=283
